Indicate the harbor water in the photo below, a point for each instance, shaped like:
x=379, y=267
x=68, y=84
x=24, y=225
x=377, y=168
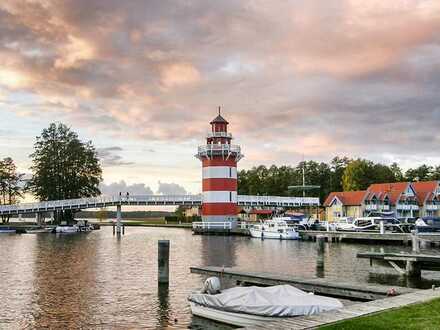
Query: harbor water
x=96, y=280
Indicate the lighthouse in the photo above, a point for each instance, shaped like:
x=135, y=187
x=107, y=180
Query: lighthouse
x=219, y=177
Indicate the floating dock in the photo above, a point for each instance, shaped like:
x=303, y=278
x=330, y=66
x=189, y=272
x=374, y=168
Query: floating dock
x=352, y=291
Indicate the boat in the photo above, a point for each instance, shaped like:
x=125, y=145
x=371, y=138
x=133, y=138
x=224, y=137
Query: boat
x=40, y=230
x=370, y=223
x=428, y=225
x=80, y=226
x=276, y=228
x=252, y=306
x=7, y=230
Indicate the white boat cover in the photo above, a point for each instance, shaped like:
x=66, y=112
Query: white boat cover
x=274, y=301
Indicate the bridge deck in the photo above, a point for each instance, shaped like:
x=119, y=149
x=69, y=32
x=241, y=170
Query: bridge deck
x=105, y=201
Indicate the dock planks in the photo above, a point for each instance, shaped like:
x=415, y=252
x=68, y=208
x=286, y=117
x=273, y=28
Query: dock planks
x=351, y=291
x=351, y=311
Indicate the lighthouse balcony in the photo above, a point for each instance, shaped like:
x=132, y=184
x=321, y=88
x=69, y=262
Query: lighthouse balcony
x=219, y=134
x=226, y=150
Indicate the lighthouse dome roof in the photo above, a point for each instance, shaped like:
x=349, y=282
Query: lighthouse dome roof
x=219, y=119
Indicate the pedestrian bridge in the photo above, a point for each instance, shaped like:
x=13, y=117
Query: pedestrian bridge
x=106, y=201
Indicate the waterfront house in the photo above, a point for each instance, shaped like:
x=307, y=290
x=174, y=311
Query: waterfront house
x=256, y=214
x=399, y=197
x=428, y=194
x=344, y=204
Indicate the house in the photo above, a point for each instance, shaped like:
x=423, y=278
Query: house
x=428, y=194
x=344, y=204
x=192, y=211
x=256, y=215
x=399, y=197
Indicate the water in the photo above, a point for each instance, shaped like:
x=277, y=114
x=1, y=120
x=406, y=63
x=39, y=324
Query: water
x=96, y=280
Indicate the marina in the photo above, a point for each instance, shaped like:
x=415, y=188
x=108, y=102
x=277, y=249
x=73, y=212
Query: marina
x=122, y=272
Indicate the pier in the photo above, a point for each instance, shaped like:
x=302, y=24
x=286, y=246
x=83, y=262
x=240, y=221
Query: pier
x=365, y=237
x=405, y=263
x=352, y=291
x=352, y=311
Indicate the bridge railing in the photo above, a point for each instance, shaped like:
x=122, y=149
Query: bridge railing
x=277, y=200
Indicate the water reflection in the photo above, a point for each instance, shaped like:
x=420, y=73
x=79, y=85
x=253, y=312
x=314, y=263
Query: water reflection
x=64, y=277
x=99, y=281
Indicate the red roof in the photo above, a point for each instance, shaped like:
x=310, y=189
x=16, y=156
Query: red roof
x=425, y=189
x=348, y=198
x=393, y=190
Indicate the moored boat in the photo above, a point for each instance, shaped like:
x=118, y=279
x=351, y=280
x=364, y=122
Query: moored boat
x=7, y=230
x=276, y=228
x=250, y=306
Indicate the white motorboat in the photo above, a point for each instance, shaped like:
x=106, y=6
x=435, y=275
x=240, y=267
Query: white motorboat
x=251, y=306
x=366, y=223
x=64, y=229
x=276, y=228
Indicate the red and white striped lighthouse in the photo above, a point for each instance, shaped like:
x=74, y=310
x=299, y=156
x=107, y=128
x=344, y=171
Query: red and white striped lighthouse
x=219, y=160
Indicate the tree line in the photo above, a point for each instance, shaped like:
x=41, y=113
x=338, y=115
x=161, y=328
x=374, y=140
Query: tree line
x=340, y=174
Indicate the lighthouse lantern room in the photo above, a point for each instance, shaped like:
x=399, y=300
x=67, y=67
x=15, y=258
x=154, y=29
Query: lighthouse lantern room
x=219, y=179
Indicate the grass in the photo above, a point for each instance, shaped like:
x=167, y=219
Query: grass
x=424, y=316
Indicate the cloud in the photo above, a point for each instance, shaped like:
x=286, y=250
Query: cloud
x=171, y=189
x=109, y=156
x=313, y=78
x=114, y=188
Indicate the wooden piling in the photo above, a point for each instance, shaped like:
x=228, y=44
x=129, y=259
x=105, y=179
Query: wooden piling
x=163, y=259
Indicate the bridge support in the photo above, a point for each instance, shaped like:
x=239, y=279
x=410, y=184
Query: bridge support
x=118, y=220
x=39, y=218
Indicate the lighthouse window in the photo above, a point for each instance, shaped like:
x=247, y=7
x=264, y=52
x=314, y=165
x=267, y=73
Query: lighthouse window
x=230, y=196
x=230, y=172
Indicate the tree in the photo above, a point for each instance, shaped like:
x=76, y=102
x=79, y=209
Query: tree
x=10, y=184
x=397, y=172
x=64, y=167
x=421, y=173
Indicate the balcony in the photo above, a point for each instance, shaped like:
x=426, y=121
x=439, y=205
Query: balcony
x=219, y=134
x=371, y=207
x=407, y=207
x=227, y=150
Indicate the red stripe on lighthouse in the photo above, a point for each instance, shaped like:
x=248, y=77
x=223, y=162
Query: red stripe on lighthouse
x=219, y=209
x=219, y=162
x=219, y=184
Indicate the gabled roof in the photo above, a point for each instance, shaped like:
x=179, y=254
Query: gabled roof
x=393, y=190
x=347, y=198
x=425, y=190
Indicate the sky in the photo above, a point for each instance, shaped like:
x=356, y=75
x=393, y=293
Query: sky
x=142, y=79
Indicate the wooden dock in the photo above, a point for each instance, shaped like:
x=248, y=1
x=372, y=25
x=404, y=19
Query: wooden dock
x=352, y=291
x=339, y=236
x=410, y=264
x=351, y=311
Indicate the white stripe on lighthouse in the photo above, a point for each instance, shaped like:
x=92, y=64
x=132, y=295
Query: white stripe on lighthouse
x=220, y=172
x=219, y=197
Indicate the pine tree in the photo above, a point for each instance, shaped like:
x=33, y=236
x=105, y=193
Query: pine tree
x=10, y=184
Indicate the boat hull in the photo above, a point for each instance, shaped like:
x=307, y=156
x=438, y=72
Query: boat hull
x=237, y=319
x=290, y=235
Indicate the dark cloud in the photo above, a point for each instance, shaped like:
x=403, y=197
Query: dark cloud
x=109, y=156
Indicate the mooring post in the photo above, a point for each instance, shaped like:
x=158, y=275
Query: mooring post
x=113, y=229
x=163, y=259
x=415, y=243
x=118, y=219
x=320, y=246
x=123, y=229
x=382, y=227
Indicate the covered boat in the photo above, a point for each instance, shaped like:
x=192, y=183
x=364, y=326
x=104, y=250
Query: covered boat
x=247, y=306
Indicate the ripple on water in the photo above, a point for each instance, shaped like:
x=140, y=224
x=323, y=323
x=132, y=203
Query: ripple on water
x=98, y=281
